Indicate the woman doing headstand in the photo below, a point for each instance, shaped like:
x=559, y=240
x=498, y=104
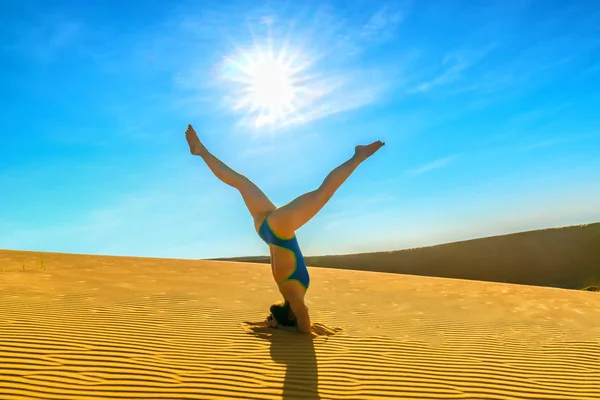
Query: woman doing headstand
x=277, y=226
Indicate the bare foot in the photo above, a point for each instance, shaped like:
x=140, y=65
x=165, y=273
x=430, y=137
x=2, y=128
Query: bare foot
x=364, y=152
x=196, y=147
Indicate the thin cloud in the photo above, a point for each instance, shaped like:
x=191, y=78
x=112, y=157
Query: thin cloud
x=451, y=74
x=454, y=64
x=559, y=140
x=433, y=165
x=506, y=67
x=383, y=24
x=258, y=151
x=535, y=65
x=44, y=36
x=537, y=114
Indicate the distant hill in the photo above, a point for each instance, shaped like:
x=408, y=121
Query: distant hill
x=566, y=257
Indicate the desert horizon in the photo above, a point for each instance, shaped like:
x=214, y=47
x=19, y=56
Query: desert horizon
x=565, y=257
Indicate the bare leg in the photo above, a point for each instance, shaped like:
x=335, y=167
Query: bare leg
x=257, y=202
x=287, y=219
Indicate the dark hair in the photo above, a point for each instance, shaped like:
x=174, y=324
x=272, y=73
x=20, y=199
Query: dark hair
x=282, y=312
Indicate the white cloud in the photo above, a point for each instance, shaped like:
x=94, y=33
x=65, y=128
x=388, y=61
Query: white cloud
x=44, y=36
x=433, y=165
x=454, y=64
x=383, y=24
x=451, y=74
x=258, y=151
x=537, y=114
x=559, y=140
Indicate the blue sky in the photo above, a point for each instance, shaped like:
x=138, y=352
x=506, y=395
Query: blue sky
x=489, y=111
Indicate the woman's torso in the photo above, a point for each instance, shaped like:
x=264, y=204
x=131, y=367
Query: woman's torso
x=284, y=261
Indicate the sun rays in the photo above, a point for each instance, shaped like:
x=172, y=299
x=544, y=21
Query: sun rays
x=268, y=87
x=271, y=85
x=285, y=73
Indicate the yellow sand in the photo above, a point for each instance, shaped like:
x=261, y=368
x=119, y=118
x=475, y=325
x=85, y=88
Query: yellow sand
x=91, y=327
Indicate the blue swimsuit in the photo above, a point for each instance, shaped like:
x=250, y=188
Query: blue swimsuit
x=300, y=273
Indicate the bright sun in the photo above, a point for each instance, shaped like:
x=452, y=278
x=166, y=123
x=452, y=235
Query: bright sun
x=266, y=85
x=271, y=89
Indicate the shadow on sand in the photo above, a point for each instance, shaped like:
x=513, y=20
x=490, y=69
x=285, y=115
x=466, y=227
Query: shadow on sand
x=297, y=353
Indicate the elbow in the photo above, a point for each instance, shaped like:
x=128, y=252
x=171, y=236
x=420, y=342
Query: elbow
x=304, y=328
x=304, y=325
x=302, y=317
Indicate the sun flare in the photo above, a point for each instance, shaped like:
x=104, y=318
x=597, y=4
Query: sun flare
x=271, y=86
x=267, y=86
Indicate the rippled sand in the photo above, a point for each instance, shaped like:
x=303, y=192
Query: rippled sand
x=92, y=327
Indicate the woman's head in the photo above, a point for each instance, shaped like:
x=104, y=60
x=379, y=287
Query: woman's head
x=283, y=314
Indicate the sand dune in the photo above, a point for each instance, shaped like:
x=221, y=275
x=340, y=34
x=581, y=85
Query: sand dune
x=567, y=257
x=92, y=327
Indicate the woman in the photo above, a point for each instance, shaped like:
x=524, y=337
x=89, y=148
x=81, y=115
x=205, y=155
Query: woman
x=277, y=227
